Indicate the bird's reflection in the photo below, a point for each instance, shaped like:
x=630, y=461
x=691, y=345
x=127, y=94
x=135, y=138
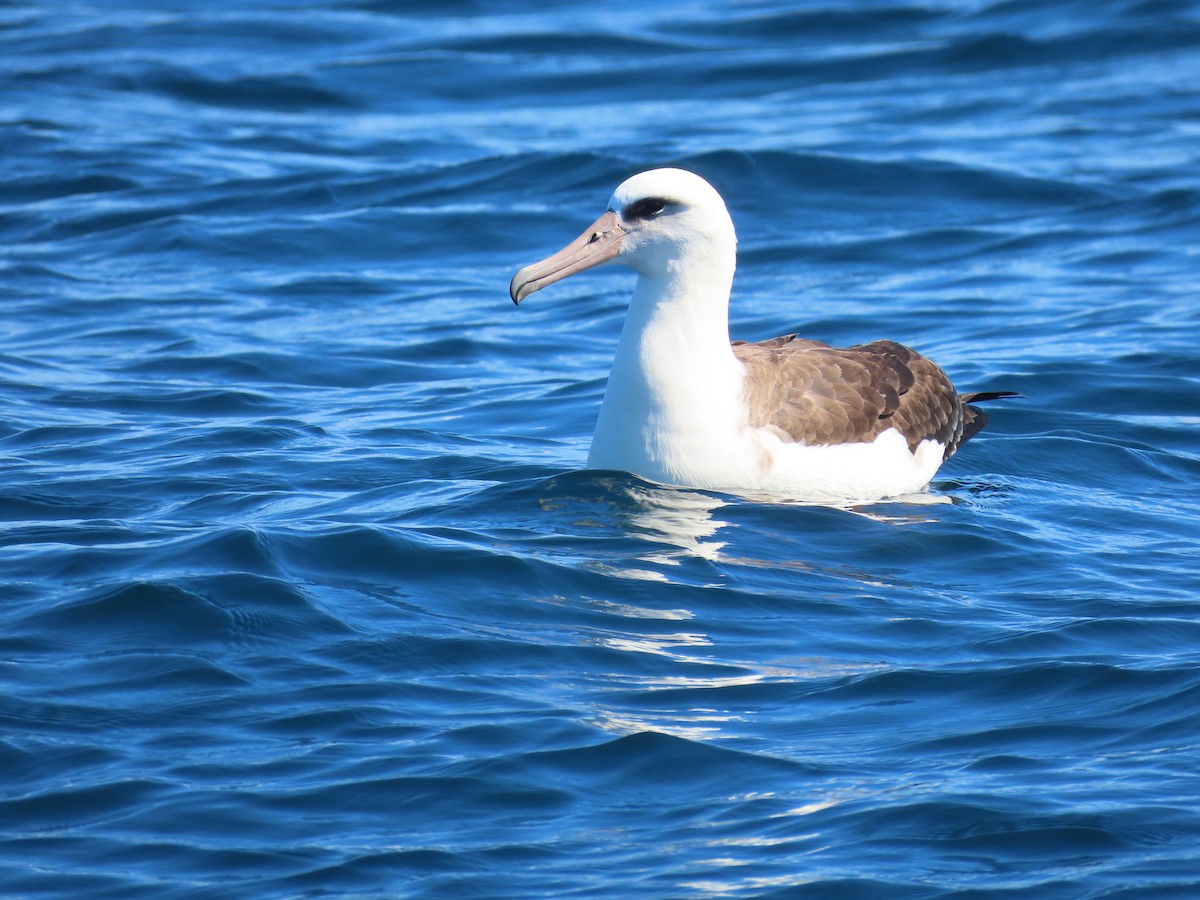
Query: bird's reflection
x=679, y=519
x=686, y=524
x=687, y=538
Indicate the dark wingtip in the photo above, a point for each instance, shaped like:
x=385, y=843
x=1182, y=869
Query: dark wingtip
x=985, y=396
x=974, y=419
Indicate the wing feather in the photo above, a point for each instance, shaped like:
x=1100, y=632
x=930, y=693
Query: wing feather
x=820, y=395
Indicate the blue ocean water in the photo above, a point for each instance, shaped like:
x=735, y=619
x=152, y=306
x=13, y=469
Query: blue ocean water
x=306, y=591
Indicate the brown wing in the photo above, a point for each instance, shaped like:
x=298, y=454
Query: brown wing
x=811, y=393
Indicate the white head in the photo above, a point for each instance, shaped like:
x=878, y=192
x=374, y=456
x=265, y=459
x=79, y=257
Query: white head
x=655, y=222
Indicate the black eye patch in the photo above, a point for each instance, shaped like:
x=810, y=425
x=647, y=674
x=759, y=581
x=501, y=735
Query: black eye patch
x=646, y=208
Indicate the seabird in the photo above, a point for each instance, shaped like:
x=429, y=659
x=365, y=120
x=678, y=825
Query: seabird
x=786, y=416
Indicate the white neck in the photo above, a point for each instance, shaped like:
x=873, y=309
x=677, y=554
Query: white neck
x=673, y=405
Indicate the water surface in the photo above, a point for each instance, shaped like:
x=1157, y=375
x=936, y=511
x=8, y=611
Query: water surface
x=308, y=593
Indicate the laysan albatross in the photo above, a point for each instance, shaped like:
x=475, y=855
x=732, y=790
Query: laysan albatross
x=786, y=416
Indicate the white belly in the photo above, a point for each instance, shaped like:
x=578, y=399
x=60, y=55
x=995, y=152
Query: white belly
x=869, y=471
x=757, y=460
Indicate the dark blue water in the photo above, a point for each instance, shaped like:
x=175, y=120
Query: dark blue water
x=305, y=591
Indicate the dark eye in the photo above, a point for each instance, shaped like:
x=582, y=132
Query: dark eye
x=646, y=208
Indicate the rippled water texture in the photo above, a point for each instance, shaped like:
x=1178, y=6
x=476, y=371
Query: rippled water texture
x=305, y=589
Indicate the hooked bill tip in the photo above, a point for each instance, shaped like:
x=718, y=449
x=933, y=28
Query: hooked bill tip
x=518, y=289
